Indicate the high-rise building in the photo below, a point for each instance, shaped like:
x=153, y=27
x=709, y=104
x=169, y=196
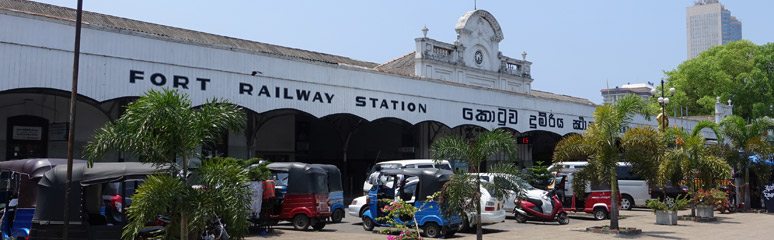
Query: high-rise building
x=709, y=24
x=611, y=95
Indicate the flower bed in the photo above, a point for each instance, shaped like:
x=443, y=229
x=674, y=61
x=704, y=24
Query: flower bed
x=620, y=231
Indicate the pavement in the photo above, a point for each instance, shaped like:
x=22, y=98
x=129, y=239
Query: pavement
x=728, y=226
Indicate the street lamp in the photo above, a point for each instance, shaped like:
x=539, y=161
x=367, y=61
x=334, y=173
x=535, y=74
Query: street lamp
x=663, y=100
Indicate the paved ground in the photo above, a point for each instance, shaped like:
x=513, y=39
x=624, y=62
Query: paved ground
x=728, y=226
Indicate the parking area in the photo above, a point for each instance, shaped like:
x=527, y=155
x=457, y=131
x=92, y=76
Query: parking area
x=728, y=226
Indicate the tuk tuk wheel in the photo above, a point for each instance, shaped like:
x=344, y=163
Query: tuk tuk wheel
x=319, y=224
x=337, y=216
x=600, y=214
x=432, y=230
x=563, y=219
x=368, y=224
x=300, y=222
x=520, y=218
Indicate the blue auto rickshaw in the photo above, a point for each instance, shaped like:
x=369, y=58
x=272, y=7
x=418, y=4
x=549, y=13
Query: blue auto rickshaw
x=20, y=188
x=335, y=192
x=391, y=182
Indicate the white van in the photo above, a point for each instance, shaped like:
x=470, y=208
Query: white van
x=635, y=190
x=396, y=164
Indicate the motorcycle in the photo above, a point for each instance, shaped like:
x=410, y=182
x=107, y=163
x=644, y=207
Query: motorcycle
x=542, y=206
x=216, y=230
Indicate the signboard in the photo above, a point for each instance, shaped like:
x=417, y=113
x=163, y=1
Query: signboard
x=27, y=133
x=768, y=196
x=57, y=132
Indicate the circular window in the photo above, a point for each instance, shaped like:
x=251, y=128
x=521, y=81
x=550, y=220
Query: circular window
x=479, y=57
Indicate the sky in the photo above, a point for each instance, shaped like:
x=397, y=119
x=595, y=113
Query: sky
x=576, y=48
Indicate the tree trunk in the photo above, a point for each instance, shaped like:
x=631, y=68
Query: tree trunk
x=183, y=221
x=614, y=203
x=746, y=188
x=692, y=187
x=479, y=233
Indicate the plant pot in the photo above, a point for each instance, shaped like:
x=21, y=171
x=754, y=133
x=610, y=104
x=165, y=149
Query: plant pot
x=706, y=211
x=673, y=217
x=662, y=217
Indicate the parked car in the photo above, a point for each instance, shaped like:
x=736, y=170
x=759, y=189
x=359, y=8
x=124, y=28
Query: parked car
x=357, y=207
x=672, y=191
x=492, y=211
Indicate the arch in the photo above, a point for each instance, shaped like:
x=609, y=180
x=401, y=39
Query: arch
x=463, y=23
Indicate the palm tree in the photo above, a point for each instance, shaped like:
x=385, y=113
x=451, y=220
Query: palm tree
x=689, y=156
x=748, y=139
x=462, y=190
x=599, y=144
x=161, y=127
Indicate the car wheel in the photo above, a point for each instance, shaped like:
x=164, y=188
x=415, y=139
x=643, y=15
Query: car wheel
x=368, y=224
x=563, y=219
x=520, y=218
x=300, y=222
x=600, y=214
x=627, y=202
x=337, y=215
x=432, y=230
x=464, y=226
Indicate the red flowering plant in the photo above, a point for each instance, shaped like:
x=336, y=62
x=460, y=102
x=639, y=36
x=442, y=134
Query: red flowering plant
x=712, y=197
x=399, y=216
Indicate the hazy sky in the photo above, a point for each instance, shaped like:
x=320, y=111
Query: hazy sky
x=577, y=47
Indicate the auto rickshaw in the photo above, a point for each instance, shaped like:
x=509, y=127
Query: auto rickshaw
x=429, y=217
x=20, y=182
x=596, y=199
x=301, y=195
x=87, y=197
x=335, y=192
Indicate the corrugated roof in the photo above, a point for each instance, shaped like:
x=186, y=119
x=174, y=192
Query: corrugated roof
x=542, y=94
x=92, y=18
x=403, y=65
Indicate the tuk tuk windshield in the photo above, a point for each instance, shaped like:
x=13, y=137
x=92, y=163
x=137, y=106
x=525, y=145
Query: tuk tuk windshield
x=280, y=178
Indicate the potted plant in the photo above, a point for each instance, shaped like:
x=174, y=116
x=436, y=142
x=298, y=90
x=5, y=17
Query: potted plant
x=660, y=209
x=706, y=201
x=666, y=211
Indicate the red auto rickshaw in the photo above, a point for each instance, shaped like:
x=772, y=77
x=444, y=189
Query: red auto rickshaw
x=301, y=195
x=596, y=199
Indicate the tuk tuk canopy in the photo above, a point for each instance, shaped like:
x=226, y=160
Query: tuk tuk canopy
x=431, y=180
x=300, y=178
x=334, y=177
x=51, y=187
x=33, y=169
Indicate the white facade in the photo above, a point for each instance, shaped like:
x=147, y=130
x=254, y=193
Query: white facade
x=465, y=83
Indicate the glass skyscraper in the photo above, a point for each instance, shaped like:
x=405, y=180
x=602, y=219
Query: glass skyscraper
x=709, y=24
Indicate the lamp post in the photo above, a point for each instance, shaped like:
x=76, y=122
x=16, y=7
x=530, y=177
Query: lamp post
x=663, y=100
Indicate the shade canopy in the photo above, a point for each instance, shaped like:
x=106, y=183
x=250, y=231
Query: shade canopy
x=51, y=187
x=431, y=180
x=334, y=177
x=35, y=167
x=301, y=178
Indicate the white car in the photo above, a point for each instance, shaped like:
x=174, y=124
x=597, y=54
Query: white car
x=357, y=207
x=492, y=211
